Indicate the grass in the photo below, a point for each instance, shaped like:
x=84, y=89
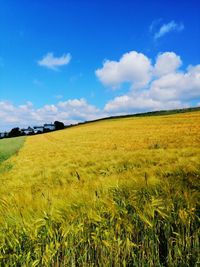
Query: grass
x=10, y=146
x=122, y=192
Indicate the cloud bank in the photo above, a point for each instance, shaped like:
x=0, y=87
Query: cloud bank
x=69, y=112
x=153, y=85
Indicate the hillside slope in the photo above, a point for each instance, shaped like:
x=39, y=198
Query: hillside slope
x=109, y=193
x=9, y=147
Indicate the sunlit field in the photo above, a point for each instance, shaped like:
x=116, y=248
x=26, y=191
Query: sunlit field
x=121, y=192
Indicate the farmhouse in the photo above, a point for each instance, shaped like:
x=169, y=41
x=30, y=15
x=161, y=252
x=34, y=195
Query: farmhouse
x=33, y=130
x=38, y=129
x=27, y=131
x=49, y=127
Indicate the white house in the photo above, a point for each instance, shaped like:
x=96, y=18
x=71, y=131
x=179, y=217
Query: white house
x=49, y=127
x=27, y=131
x=38, y=129
x=2, y=135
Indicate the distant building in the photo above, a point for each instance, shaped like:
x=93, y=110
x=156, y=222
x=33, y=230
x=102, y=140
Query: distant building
x=27, y=131
x=4, y=134
x=49, y=127
x=38, y=129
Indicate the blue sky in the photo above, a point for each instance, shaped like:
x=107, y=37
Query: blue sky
x=79, y=60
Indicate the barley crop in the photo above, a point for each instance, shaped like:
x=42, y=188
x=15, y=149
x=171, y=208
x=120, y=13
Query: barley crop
x=123, y=192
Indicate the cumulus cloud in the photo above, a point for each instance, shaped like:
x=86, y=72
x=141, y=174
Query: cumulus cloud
x=183, y=86
x=51, y=62
x=168, y=27
x=133, y=67
x=166, y=63
x=70, y=112
x=168, y=87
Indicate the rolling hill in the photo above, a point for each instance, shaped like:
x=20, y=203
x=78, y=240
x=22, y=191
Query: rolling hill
x=117, y=192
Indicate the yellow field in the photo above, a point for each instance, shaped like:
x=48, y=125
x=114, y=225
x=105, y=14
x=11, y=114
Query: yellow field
x=96, y=186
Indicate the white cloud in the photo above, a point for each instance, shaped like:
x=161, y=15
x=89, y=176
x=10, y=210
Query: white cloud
x=166, y=63
x=133, y=67
x=51, y=62
x=183, y=86
x=168, y=87
x=6, y=106
x=169, y=27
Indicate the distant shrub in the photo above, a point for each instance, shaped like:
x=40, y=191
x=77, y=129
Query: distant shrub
x=59, y=125
x=14, y=132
